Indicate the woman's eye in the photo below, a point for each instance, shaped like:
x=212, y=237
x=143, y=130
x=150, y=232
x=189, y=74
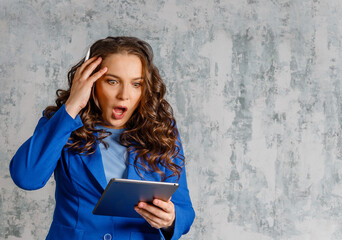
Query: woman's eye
x=137, y=84
x=112, y=82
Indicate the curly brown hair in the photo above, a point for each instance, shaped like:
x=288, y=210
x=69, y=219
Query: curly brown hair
x=151, y=131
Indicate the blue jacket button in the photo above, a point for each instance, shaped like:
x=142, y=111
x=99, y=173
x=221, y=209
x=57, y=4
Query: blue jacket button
x=107, y=236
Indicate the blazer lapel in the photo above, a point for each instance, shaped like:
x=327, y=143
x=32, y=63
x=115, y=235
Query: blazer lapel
x=95, y=166
x=132, y=173
x=94, y=163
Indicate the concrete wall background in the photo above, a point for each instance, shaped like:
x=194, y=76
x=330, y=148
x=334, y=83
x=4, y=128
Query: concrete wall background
x=255, y=86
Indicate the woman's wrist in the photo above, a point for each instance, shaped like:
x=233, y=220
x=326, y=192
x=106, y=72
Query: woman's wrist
x=168, y=231
x=71, y=110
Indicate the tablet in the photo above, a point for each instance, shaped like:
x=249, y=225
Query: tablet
x=121, y=195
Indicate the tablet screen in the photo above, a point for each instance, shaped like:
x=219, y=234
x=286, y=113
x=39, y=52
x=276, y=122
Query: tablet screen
x=121, y=195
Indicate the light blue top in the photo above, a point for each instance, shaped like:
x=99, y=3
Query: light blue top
x=114, y=158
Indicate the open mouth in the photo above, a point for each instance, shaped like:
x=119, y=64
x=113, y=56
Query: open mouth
x=119, y=112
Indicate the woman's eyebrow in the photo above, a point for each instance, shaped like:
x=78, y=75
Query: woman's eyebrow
x=114, y=76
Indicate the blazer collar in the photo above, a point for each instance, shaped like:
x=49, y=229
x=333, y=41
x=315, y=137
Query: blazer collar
x=95, y=165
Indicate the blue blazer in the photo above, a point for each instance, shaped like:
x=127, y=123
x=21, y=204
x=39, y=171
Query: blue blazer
x=80, y=181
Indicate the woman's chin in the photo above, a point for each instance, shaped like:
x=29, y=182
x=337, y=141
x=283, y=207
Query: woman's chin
x=115, y=123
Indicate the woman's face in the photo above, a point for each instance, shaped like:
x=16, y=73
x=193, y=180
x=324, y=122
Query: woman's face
x=119, y=91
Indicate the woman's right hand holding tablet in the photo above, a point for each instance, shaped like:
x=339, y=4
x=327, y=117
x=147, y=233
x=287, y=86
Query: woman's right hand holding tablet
x=82, y=84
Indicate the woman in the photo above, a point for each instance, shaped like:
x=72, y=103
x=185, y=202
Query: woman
x=113, y=121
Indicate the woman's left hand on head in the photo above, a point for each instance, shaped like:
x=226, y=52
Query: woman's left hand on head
x=159, y=215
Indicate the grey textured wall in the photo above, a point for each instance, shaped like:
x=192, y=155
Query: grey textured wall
x=256, y=90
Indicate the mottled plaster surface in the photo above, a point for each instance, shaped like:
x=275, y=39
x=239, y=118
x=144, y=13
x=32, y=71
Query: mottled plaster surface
x=256, y=90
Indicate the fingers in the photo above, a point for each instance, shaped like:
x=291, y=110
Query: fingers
x=88, y=67
x=150, y=218
x=162, y=215
x=82, y=85
x=86, y=64
x=166, y=206
x=91, y=67
x=152, y=210
x=98, y=74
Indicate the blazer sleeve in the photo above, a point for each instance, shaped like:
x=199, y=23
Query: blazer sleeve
x=34, y=162
x=185, y=213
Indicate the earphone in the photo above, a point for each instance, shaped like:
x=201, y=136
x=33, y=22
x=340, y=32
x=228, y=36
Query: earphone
x=88, y=55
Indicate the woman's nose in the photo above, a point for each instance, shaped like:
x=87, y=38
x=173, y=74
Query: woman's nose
x=123, y=92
